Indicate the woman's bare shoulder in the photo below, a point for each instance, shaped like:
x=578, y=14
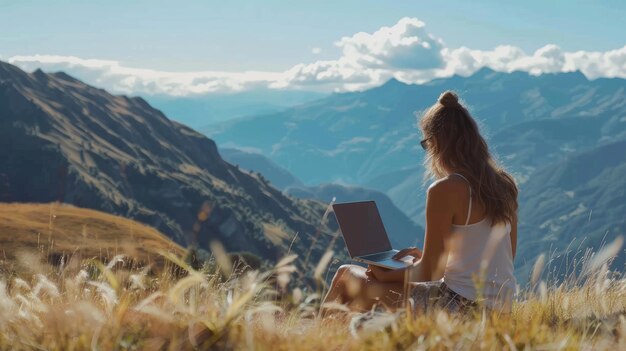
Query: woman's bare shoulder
x=447, y=185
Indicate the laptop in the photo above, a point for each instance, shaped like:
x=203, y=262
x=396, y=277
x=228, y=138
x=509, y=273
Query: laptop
x=364, y=234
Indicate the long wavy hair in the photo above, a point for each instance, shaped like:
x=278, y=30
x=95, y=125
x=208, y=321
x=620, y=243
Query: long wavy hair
x=453, y=143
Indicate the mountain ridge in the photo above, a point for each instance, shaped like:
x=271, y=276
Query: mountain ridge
x=358, y=137
x=63, y=140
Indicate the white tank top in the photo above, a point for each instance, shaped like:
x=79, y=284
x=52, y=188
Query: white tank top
x=480, y=261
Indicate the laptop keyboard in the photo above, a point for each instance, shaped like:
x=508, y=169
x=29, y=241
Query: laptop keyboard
x=380, y=256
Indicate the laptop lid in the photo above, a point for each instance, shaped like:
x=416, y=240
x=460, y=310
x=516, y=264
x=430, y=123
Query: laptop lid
x=362, y=228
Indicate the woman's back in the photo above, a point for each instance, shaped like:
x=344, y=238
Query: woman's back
x=479, y=266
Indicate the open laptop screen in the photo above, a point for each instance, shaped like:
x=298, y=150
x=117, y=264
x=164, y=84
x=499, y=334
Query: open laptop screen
x=362, y=228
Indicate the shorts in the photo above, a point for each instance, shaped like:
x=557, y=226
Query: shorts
x=431, y=295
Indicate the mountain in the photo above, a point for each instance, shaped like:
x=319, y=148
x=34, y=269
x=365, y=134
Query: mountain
x=402, y=231
x=339, y=138
x=370, y=138
x=254, y=162
x=199, y=111
x=63, y=140
x=574, y=204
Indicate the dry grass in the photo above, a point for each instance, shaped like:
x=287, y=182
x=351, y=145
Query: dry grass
x=91, y=305
x=59, y=230
x=274, y=233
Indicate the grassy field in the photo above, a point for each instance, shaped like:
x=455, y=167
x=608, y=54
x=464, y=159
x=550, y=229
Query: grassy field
x=80, y=309
x=60, y=232
x=108, y=306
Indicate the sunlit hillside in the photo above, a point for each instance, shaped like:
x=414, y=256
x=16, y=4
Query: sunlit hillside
x=60, y=232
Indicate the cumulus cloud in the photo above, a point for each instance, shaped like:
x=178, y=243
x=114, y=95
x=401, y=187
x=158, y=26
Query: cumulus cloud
x=405, y=50
x=598, y=64
x=547, y=59
x=405, y=45
x=370, y=59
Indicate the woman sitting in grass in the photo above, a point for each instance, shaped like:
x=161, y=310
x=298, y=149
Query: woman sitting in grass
x=471, y=228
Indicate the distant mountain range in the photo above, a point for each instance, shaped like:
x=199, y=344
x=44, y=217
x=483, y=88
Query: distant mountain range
x=199, y=111
x=402, y=231
x=370, y=138
x=63, y=140
x=561, y=135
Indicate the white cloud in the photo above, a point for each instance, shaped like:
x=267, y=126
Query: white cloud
x=598, y=64
x=370, y=59
x=405, y=45
x=316, y=51
x=547, y=59
x=339, y=74
x=116, y=77
x=405, y=50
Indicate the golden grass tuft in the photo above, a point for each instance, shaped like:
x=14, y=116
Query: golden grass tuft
x=275, y=233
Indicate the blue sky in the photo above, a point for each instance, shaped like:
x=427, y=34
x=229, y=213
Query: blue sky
x=274, y=36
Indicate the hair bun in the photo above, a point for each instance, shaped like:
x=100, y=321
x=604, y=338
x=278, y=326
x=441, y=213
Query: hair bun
x=449, y=99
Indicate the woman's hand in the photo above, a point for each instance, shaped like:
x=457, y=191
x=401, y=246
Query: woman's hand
x=409, y=251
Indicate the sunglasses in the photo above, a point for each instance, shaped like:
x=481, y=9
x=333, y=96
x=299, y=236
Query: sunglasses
x=423, y=142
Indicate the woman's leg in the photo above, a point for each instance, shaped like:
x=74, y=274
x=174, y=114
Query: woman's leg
x=337, y=291
x=353, y=287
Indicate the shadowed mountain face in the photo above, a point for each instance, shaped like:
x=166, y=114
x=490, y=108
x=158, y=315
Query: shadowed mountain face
x=62, y=140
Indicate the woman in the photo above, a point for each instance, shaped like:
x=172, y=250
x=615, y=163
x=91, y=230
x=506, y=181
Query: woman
x=471, y=228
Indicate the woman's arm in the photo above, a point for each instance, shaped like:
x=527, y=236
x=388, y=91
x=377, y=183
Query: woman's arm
x=514, y=236
x=394, y=275
x=432, y=262
x=438, y=222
